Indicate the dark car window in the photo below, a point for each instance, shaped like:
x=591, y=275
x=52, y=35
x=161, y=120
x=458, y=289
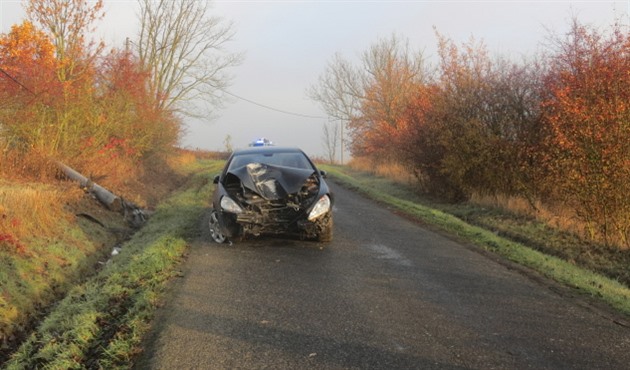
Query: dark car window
x=286, y=159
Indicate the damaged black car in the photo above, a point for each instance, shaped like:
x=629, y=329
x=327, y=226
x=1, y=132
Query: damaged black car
x=271, y=190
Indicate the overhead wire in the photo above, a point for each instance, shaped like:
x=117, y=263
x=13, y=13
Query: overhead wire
x=16, y=81
x=272, y=108
x=224, y=91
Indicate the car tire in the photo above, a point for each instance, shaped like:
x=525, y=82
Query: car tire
x=326, y=233
x=215, y=228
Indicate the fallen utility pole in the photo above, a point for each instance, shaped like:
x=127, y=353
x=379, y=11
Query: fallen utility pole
x=133, y=214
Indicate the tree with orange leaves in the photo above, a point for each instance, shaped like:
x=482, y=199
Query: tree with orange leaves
x=587, y=117
x=28, y=85
x=69, y=114
x=68, y=22
x=128, y=108
x=27, y=63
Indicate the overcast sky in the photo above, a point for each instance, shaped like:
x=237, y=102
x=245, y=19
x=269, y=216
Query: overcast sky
x=287, y=45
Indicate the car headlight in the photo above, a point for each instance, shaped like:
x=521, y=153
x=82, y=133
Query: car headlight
x=229, y=205
x=321, y=207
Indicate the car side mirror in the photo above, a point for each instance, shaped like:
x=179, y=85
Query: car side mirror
x=323, y=173
x=216, y=179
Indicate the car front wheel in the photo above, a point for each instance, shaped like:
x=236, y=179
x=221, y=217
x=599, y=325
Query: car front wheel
x=326, y=229
x=215, y=228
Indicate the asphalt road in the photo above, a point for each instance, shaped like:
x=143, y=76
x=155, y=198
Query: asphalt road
x=385, y=294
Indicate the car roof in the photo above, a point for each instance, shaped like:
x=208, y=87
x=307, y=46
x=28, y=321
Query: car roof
x=267, y=149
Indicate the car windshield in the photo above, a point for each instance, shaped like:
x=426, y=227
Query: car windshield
x=286, y=159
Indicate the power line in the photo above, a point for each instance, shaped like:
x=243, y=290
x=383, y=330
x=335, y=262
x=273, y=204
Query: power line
x=16, y=81
x=225, y=91
x=272, y=108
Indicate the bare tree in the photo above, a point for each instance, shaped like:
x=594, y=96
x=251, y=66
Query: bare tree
x=331, y=139
x=390, y=77
x=377, y=90
x=339, y=89
x=229, y=148
x=183, y=48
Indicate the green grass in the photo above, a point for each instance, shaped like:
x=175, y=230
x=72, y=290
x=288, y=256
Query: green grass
x=30, y=282
x=531, y=245
x=100, y=323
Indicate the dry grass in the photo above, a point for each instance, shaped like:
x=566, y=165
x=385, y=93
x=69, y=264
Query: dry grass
x=35, y=166
x=387, y=169
x=557, y=216
x=201, y=154
x=28, y=209
x=41, y=250
x=184, y=158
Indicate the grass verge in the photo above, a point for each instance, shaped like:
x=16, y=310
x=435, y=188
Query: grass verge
x=44, y=250
x=100, y=323
x=448, y=219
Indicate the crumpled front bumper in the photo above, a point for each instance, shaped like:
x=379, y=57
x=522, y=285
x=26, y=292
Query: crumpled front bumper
x=254, y=223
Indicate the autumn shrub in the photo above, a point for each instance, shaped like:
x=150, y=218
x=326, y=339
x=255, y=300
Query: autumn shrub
x=476, y=128
x=553, y=129
x=420, y=145
x=135, y=127
x=587, y=117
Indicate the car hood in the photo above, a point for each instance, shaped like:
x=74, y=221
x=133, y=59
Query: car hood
x=272, y=182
